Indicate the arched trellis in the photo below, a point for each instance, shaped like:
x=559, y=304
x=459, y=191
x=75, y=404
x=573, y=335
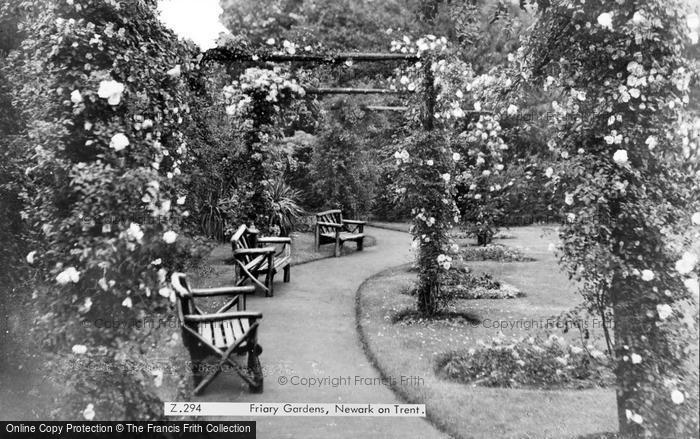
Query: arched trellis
x=225, y=55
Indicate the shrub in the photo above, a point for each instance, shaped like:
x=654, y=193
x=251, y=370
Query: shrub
x=629, y=152
x=101, y=88
x=286, y=213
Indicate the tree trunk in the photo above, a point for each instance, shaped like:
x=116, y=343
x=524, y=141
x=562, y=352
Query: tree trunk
x=625, y=332
x=426, y=298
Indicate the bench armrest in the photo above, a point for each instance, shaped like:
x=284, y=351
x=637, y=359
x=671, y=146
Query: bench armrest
x=323, y=223
x=254, y=251
x=203, y=318
x=275, y=240
x=222, y=291
x=354, y=222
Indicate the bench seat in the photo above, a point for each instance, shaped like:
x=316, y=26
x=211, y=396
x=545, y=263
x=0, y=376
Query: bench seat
x=331, y=228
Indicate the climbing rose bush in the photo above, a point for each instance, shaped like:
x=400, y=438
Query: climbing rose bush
x=256, y=101
x=425, y=179
x=630, y=187
x=103, y=93
x=474, y=130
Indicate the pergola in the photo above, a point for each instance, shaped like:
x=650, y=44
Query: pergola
x=225, y=56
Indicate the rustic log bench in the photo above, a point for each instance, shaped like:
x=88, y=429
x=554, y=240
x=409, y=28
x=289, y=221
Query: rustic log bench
x=255, y=255
x=332, y=228
x=222, y=333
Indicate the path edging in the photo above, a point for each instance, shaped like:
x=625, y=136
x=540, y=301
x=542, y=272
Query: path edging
x=372, y=357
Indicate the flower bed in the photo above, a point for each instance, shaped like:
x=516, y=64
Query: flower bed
x=463, y=284
x=532, y=362
x=494, y=252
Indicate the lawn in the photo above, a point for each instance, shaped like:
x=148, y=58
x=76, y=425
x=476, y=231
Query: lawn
x=472, y=411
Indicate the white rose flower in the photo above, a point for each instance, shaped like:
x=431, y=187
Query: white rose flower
x=112, y=91
x=638, y=18
x=605, y=20
x=169, y=237
x=620, y=157
x=636, y=358
x=181, y=200
x=693, y=287
x=549, y=172
x=651, y=142
x=693, y=21
x=430, y=163
x=569, y=199
x=119, y=141
x=687, y=263
x=175, y=72
x=76, y=97
x=695, y=219
x=456, y=156
x=634, y=417
x=647, y=275
x=86, y=306
x=664, y=311
x=512, y=110
x=446, y=177
x=677, y=397
x=486, y=173
x=270, y=41
x=79, y=349
x=127, y=302
x=30, y=256
x=134, y=231
x=89, y=412
x=70, y=274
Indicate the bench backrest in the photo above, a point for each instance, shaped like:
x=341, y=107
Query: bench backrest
x=182, y=294
x=244, y=238
x=330, y=216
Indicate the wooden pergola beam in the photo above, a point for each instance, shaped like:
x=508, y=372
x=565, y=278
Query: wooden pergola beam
x=355, y=91
x=384, y=108
x=222, y=54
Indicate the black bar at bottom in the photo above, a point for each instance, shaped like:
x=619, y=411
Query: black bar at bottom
x=135, y=429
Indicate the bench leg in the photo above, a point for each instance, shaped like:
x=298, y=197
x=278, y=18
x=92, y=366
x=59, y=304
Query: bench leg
x=338, y=246
x=360, y=244
x=287, y=271
x=198, y=365
x=269, y=281
x=255, y=369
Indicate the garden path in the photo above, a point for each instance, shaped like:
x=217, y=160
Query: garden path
x=309, y=331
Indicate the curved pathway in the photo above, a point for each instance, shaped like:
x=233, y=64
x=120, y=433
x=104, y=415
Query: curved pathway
x=309, y=331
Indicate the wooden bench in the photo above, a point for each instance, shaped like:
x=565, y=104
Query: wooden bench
x=332, y=228
x=222, y=333
x=255, y=256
